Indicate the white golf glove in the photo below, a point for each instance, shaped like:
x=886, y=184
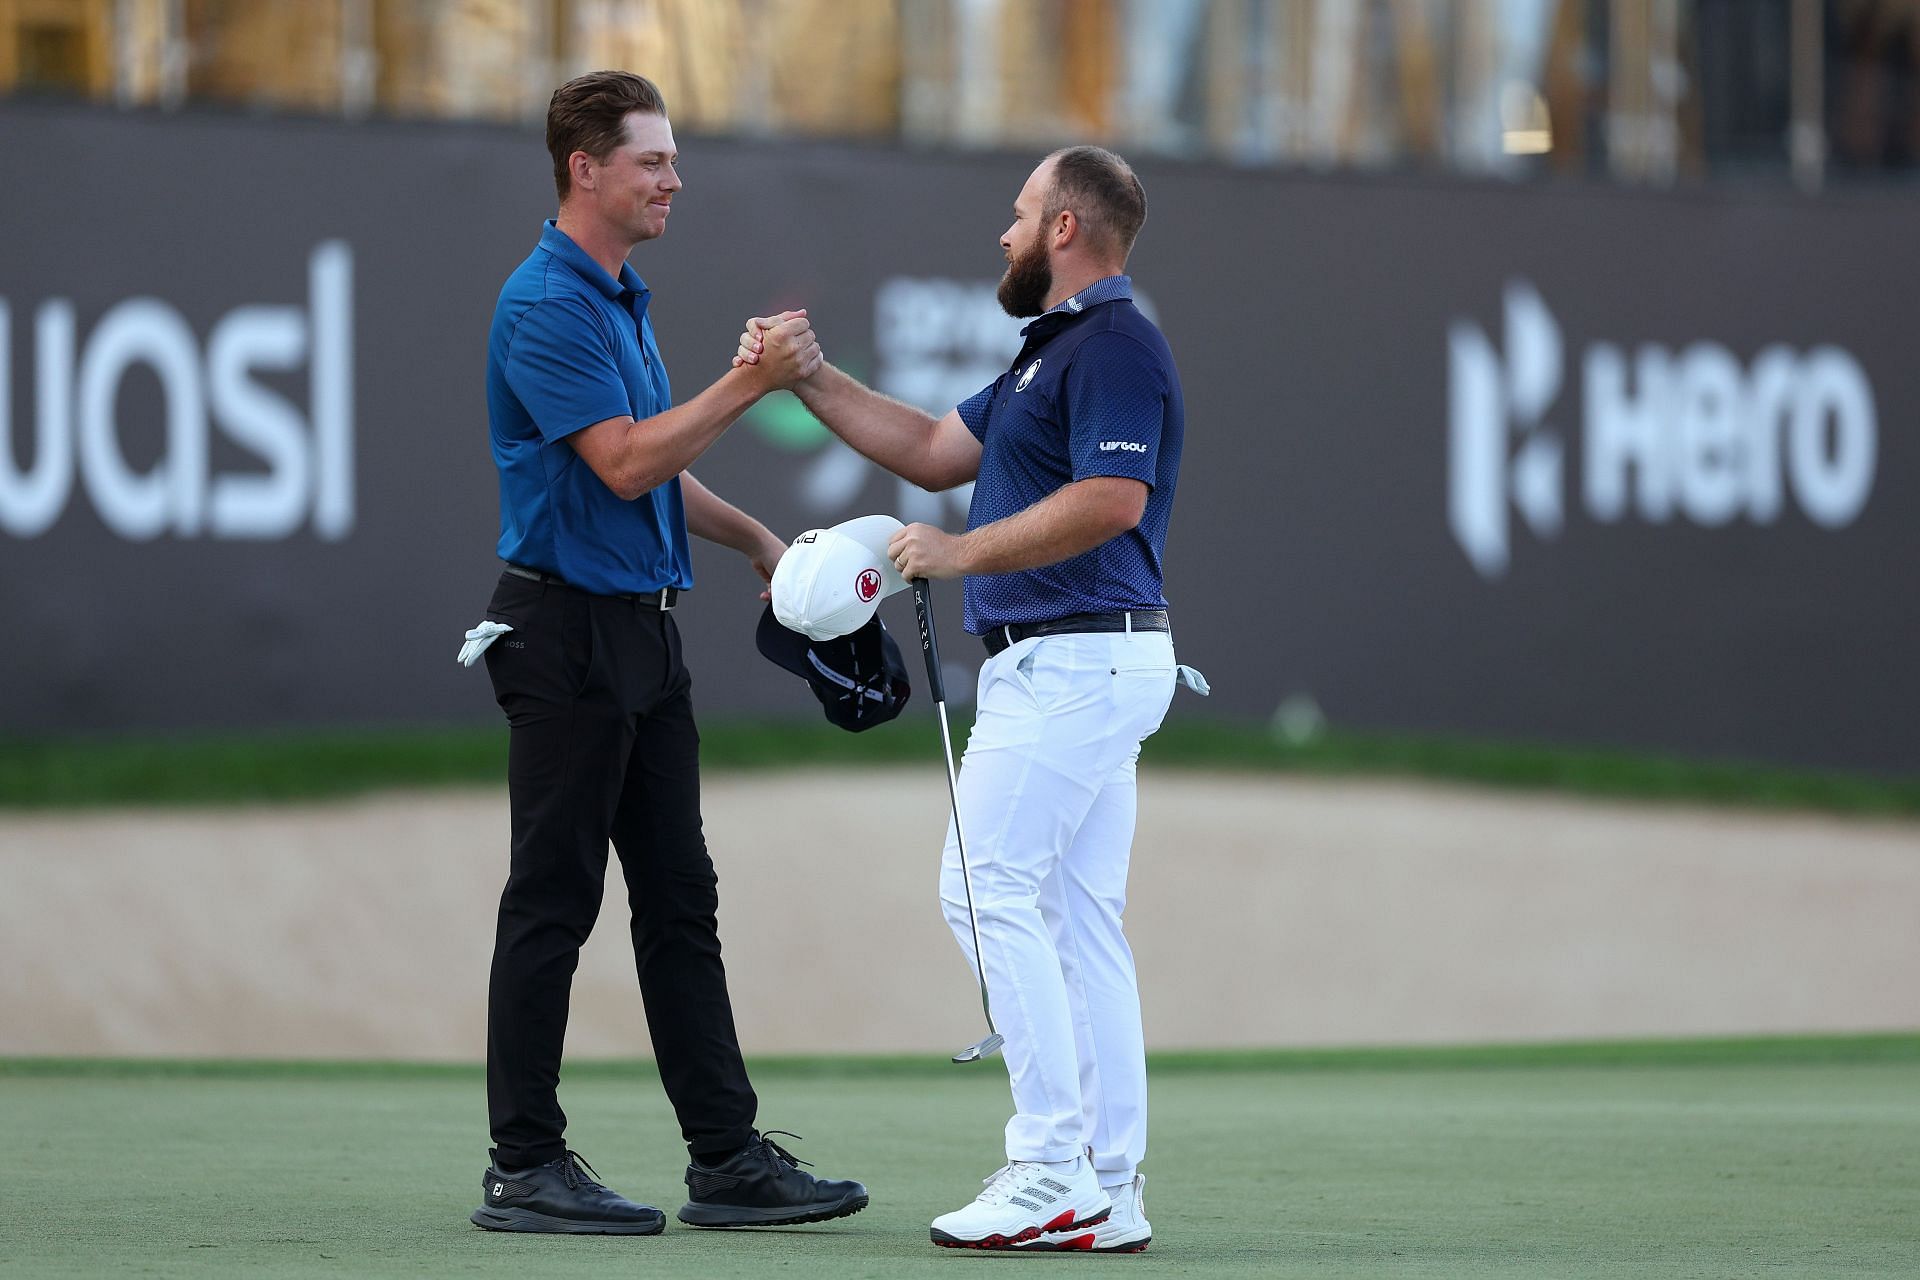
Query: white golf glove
x=478, y=639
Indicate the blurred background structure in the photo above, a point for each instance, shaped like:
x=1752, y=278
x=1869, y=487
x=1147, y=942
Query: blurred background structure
x=1639, y=91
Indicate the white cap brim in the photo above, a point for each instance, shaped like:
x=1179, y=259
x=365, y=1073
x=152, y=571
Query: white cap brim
x=874, y=533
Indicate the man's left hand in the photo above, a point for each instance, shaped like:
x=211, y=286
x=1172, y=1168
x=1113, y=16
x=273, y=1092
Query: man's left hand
x=764, y=560
x=922, y=551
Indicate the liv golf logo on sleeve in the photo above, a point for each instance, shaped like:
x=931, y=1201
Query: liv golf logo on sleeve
x=1660, y=434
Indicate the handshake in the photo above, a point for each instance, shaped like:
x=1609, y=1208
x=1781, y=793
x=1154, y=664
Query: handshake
x=782, y=349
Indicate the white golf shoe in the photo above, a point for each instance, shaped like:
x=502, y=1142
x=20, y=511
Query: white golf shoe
x=1024, y=1201
x=1126, y=1229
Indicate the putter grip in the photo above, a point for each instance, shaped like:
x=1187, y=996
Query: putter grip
x=923, y=608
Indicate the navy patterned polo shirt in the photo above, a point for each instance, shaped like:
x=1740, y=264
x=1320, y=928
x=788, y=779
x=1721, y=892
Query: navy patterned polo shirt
x=1094, y=392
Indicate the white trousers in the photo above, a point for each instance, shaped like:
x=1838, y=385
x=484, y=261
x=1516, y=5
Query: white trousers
x=1047, y=804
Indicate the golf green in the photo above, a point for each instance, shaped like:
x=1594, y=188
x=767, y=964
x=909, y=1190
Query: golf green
x=1720, y=1161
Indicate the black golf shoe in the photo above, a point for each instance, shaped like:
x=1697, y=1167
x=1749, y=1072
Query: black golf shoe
x=764, y=1186
x=559, y=1196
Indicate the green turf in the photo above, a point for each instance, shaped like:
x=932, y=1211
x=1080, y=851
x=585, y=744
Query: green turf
x=203, y=769
x=1725, y=1051
x=1745, y=1158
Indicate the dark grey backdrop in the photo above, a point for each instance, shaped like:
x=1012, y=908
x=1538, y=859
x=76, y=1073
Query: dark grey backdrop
x=1310, y=554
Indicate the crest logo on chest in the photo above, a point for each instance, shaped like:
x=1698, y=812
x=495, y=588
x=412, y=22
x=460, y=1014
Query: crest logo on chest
x=1027, y=376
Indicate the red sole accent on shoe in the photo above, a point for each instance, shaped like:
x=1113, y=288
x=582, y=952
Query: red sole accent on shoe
x=1065, y=1222
x=1071, y=1244
x=996, y=1241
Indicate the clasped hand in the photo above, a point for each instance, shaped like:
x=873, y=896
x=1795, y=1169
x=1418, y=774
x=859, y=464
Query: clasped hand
x=768, y=341
x=783, y=348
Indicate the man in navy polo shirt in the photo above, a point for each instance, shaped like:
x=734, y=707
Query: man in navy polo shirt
x=595, y=507
x=1074, y=452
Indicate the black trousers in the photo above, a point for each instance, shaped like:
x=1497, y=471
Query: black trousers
x=602, y=746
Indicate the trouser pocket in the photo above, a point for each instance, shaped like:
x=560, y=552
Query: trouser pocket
x=549, y=654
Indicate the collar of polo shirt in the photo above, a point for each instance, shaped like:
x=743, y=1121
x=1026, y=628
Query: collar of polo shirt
x=1109, y=289
x=561, y=245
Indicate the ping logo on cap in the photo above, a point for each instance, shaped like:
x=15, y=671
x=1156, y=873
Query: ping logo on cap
x=867, y=584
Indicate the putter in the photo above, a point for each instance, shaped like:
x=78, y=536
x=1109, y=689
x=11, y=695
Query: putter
x=923, y=606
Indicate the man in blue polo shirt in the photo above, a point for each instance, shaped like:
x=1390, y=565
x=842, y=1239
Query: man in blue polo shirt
x=1074, y=451
x=595, y=507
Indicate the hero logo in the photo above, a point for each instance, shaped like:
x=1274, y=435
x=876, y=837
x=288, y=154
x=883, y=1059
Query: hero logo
x=1689, y=430
x=867, y=584
x=309, y=464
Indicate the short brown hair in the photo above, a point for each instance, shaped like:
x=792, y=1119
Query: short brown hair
x=1105, y=197
x=589, y=113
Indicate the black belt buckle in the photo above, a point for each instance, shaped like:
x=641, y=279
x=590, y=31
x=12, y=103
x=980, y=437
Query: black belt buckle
x=664, y=599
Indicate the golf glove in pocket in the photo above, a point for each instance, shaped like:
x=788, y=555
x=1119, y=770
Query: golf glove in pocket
x=478, y=639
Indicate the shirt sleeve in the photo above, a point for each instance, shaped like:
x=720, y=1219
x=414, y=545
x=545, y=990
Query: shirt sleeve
x=1116, y=408
x=973, y=411
x=559, y=366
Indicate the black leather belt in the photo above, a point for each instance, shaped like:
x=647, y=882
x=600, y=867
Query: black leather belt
x=663, y=599
x=999, y=638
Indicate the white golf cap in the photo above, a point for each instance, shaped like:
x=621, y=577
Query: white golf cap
x=828, y=584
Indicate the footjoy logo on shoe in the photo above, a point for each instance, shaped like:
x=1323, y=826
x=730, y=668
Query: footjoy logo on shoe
x=499, y=1189
x=867, y=584
x=1657, y=432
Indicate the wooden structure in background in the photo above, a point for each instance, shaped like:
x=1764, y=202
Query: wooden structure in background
x=1464, y=84
x=56, y=46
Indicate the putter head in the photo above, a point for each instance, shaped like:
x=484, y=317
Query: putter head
x=986, y=1048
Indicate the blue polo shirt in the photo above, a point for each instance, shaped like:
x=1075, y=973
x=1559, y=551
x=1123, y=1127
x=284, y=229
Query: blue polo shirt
x=1094, y=392
x=571, y=346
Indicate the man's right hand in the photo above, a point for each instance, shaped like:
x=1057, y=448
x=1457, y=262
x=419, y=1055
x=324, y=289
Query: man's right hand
x=788, y=352
x=752, y=340
x=763, y=337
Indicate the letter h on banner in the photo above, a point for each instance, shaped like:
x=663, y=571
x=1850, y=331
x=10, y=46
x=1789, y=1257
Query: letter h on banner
x=1490, y=400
